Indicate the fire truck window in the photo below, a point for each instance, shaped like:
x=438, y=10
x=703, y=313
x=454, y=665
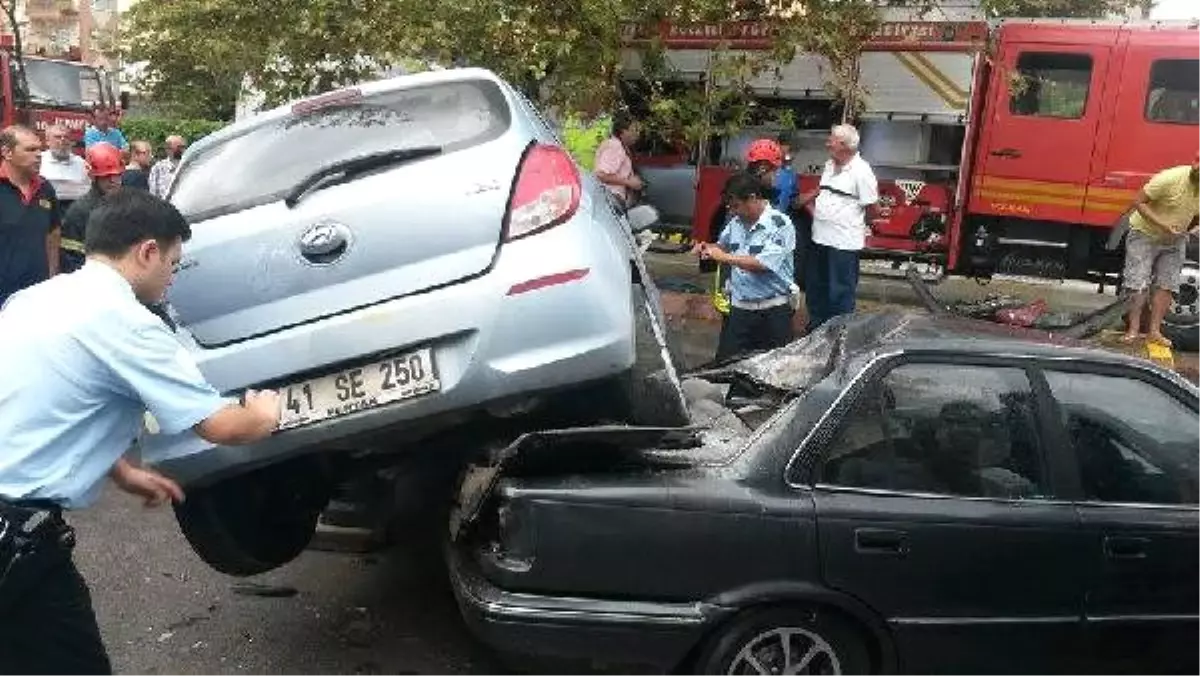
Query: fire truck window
x=1173, y=92
x=1047, y=84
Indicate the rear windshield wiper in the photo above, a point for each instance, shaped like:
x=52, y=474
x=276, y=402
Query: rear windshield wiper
x=346, y=170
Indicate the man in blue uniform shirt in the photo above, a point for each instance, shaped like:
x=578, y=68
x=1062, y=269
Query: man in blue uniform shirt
x=757, y=245
x=83, y=360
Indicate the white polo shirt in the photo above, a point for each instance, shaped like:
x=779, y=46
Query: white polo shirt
x=69, y=177
x=839, y=214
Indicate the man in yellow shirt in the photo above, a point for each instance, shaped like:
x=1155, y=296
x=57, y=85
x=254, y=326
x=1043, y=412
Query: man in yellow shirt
x=1155, y=246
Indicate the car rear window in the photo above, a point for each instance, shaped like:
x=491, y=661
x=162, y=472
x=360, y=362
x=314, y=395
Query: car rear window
x=265, y=162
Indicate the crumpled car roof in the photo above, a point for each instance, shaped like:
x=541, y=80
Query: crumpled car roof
x=804, y=362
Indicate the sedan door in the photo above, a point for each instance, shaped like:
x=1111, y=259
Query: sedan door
x=1134, y=440
x=937, y=508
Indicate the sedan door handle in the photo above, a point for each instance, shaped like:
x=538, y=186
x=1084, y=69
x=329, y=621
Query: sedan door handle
x=1125, y=547
x=1007, y=152
x=880, y=541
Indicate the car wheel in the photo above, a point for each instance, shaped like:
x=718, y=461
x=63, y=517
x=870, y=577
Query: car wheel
x=257, y=521
x=651, y=389
x=786, y=641
x=1182, y=323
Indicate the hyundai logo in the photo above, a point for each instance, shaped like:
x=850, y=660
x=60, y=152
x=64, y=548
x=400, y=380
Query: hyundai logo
x=324, y=242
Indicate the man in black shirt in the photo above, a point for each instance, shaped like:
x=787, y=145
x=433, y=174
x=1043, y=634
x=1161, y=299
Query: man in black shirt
x=29, y=219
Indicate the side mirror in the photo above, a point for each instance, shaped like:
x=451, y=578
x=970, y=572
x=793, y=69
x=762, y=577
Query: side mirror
x=123, y=97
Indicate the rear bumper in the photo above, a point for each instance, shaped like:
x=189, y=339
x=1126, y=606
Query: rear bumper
x=658, y=635
x=498, y=337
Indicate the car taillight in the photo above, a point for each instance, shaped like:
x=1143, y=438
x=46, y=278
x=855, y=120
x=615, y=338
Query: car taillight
x=546, y=193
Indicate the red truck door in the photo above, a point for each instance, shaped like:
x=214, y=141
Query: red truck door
x=1156, y=111
x=1044, y=109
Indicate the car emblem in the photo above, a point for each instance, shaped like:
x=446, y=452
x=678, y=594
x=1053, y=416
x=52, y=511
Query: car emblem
x=324, y=242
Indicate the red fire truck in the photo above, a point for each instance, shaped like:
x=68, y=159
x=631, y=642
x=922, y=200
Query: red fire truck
x=1009, y=147
x=60, y=91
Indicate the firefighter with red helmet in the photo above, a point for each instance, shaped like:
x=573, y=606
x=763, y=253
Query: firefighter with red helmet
x=105, y=167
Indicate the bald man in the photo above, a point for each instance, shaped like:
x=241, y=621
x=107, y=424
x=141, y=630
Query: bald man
x=137, y=174
x=164, y=171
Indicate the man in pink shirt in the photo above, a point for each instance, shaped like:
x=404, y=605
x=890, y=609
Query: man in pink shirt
x=614, y=166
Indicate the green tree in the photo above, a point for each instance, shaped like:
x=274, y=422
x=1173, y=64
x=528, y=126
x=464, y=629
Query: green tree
x=1084, y=9
x=192, y=53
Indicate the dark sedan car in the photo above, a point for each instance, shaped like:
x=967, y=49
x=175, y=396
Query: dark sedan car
x=894, y=493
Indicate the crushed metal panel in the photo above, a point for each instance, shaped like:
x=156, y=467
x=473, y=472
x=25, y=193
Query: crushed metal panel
x=480, y=478
x=805, y=362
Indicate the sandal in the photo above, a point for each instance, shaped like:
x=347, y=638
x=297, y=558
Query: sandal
x=1128, y=339
x=1162, y=341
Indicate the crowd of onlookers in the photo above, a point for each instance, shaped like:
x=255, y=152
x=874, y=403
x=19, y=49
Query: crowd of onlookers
x=48, y=189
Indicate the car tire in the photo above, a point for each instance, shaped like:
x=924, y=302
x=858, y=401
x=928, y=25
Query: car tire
x=651, y=390
x=817, y=641
x=258, y=521
x=1182, y=323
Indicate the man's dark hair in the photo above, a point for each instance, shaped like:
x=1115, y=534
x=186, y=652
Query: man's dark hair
x=745, y=185
x=621, y=122
x=127, y=217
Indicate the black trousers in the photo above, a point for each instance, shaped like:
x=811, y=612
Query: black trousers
x=48, y=624
x=752, y=330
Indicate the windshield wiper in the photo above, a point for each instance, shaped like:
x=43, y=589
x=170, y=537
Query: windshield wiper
x=346, y=170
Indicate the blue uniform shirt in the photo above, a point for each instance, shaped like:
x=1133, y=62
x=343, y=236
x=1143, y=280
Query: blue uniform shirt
x=771, y=240
x=82, y=360
x=785, y=188
x=113, y=137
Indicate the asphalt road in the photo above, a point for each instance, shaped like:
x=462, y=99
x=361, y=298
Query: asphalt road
x=162, y=610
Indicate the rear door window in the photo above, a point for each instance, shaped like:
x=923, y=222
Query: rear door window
x=265, y=162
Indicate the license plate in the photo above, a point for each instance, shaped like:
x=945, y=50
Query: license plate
x=357, y=389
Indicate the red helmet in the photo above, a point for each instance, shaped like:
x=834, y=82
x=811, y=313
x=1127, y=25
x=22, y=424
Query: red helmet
x=765, y=150
x=104, y=160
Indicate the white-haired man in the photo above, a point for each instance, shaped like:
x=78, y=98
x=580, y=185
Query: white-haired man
x=848, y=188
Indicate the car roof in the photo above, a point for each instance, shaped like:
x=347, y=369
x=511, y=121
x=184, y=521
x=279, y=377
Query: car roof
x=917, y=333
x=843, y=346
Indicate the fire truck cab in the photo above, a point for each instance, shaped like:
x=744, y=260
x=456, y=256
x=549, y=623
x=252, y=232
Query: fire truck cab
x=60, y=91
x=1075, y=118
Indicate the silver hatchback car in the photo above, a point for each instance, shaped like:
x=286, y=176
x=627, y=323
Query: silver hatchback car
x=403, y=259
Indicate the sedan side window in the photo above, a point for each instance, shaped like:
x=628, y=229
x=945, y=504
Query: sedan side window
x=1134, y=442
x=941, y=428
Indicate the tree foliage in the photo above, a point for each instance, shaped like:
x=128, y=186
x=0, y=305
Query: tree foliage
x=155, y=130
x=563, y=52
x=1084, y=9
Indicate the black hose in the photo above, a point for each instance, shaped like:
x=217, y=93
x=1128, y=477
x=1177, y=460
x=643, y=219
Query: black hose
x=926, y=296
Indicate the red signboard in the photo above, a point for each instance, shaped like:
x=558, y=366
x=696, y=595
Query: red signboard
x=932, y=35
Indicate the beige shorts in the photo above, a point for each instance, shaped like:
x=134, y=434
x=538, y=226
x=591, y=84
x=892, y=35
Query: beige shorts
x=1150, y=263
